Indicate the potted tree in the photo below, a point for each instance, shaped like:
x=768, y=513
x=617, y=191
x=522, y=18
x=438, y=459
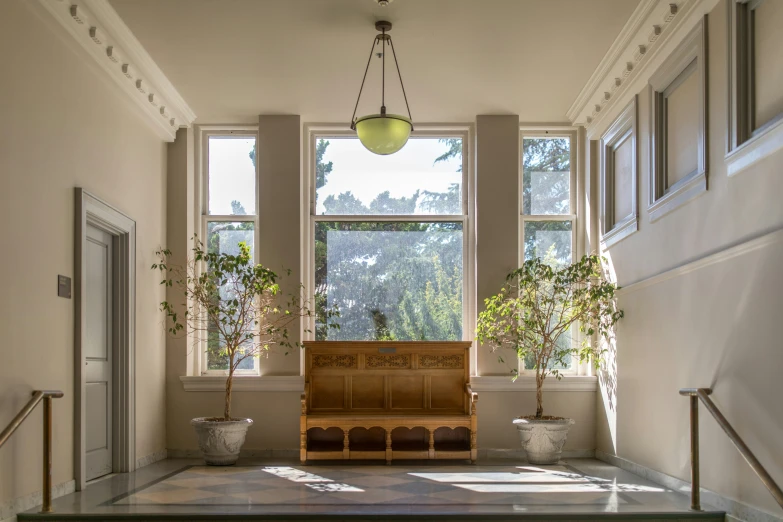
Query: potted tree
x=533, y=315
x=236, y=307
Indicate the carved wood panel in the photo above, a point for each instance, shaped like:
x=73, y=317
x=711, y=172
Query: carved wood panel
x=334, y=360
x=441, y=361
x=387, y=361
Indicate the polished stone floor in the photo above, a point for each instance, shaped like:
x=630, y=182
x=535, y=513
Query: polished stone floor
x=186, y=488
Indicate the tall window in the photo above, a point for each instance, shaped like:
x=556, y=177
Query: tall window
x=388, y=237
x=548, y=205
x=229, y=214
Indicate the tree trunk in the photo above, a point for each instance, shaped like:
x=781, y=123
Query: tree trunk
x=229, y=384
x=539, y=395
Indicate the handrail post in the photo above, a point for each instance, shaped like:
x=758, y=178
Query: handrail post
x=695, y=500
x=46, y=506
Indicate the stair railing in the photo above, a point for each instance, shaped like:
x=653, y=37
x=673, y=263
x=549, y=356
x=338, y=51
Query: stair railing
x=46, y=396
x=703, y=394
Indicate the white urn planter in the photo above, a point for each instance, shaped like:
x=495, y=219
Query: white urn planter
x=543, y=439
x=220, y=441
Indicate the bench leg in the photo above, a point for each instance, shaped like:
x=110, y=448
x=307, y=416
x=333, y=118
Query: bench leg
x=432, y=444
x=303, y=447
x=346, y=445
x=388, y=447
x=473, y=448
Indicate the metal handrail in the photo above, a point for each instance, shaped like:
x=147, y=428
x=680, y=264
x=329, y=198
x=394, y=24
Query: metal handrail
x=46, y=396
x=703, y=394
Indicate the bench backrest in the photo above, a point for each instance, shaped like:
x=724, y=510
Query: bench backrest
x=380, y=377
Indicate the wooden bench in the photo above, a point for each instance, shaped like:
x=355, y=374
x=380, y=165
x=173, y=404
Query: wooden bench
x=387, y=400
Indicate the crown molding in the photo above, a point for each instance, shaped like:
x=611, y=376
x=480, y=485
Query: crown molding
x=100, y=32
x=620, y=44
x=652, y=32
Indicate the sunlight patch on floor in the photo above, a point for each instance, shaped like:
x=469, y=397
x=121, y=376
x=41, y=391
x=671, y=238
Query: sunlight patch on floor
x=502, y=477
x=559, y=488
x=312, y=481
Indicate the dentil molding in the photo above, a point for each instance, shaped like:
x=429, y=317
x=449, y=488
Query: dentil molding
x=99, y=30
x=651, y=33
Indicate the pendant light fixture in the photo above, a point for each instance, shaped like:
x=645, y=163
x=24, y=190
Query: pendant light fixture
x=383, y=133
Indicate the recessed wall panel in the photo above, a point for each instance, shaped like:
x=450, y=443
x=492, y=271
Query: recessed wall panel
x=623, y=180
x=682, y=130
x=768, y=44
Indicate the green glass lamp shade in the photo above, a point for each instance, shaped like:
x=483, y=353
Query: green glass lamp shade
x=383, y=133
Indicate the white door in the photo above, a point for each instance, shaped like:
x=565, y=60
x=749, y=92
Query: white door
x=98, y=352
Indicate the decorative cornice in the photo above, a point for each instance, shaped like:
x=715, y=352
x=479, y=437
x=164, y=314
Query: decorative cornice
x=100, y=31
x=271, y=383
x=527, y=383
x=612, y=56
x=651, y=26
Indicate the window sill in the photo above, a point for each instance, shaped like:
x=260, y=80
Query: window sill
x=680, y=194
x=243, y=383
x=620, y=231
x=569, y=383
x=755, y=149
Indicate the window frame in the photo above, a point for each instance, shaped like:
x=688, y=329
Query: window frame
x=205, y=132
x=745, y=144
x=689, y=58
x=534, y=131
x=309, y=217
x=623, y=128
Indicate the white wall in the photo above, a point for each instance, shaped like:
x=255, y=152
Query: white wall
x=62, y=127
x=717, y=326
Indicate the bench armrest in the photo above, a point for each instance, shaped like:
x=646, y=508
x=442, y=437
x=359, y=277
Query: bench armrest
x=303, y=399
x=472, y=398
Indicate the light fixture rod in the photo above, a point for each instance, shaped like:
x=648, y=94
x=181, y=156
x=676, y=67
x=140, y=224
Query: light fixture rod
x=384, y=40
x=383, y=72
x=353, y=118
x=399, y=74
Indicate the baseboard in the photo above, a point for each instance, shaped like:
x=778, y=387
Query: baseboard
x=152, y=458
x=282, y=454
x=734, y=509
x=519, y=454
x=10, y=508
x=293, y=454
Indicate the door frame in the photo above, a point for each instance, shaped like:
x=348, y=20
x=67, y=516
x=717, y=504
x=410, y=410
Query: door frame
x=90, y=210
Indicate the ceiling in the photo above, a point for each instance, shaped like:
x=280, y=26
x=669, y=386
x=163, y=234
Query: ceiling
x=234, y=59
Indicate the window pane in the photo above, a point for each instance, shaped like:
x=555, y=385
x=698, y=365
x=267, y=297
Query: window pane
x=224, y=238
x=549, y=240
x=563, y=343
x=391, y=281
x=425, y=177
x=546, y=176
x=232, y=175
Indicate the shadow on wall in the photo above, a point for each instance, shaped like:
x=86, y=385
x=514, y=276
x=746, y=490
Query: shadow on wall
x=607, y=372
x=739, y=365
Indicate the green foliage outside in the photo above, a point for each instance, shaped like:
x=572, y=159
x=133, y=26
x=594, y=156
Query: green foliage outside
x=408, y=274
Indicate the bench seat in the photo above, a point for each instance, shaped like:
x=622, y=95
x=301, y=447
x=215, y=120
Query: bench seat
x=387, y=400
